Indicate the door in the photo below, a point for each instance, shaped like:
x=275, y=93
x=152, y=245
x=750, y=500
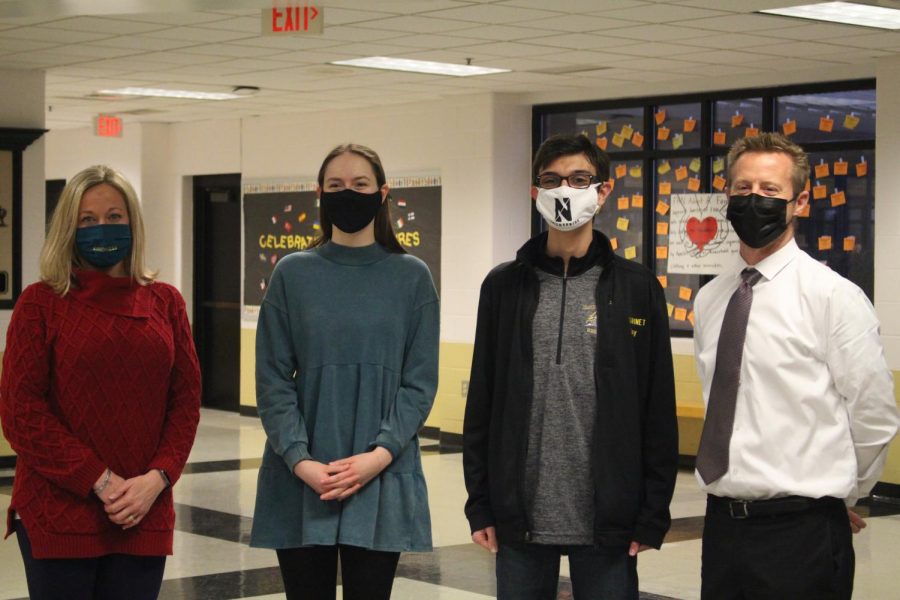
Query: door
x=217, y=287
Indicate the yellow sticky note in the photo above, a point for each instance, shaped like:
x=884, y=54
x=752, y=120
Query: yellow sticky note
x=838, y=198
x=719, y=138
x=636, y=171
x=690, y=317
x=718, y=182
x=618, y=139
x=602, y=143
x=822, y=170
x=600, y=129
x=736, y=120
x=681, y=173
x=622, y=202
x=695, y=165
x=849, y=243
x=637, y=201
x=662, y=252
x=804, y=212
x=662, y=208
x=685, y=292
x=664, y=167
x=680, y=314
x=614, y=242
x=630, y=252
x=750, y=132
x=825, y=242
x=819, y=192
x=789, y=127
x=621, y=170
x=690, y=124
x=851, y=121
x=826, y=124
x=637, y=139
x=840, y=167
x=627, y=131
x=677, y=141
x=861, y=169
x=622, y=224
x=669, y=308
x=718, y=165
x=662, y=228
x=660, y=116
x=665, y=188
x=663, y=280
x=662, y=133
x=693, y=184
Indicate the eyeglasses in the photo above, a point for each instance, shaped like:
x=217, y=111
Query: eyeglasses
x=579, y=181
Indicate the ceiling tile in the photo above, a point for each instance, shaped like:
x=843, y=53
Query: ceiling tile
x=139, y=42
x=576, y=6
x=492, y=13
x=567, y=24
x=745, y=23
x=197, y=34
x=662, y=13
x=413, y=24
x=99, y=25
x=58, y=36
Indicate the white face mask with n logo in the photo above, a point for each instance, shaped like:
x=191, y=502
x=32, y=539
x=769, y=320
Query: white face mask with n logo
x=565, y=208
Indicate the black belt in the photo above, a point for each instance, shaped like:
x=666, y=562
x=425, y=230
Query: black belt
x=748, y=509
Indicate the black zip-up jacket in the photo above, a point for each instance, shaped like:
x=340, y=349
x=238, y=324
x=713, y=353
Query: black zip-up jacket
x=635, y=448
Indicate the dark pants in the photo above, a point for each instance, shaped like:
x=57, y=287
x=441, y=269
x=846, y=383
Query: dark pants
x=805, y=555
x=109, y=577
x=311, y=573
x=531, y=572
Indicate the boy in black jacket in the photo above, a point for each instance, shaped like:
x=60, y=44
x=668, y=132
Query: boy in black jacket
x=570, y=436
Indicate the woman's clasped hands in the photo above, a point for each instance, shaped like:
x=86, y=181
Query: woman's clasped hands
x=340, y=479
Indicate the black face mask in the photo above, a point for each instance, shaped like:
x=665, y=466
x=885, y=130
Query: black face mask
x=758, y=220
x=350, y=211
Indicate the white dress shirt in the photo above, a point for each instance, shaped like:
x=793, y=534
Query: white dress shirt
x=815, y=406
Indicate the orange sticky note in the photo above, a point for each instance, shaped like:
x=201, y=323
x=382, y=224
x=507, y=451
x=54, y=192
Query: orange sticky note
x=861, y=169
x=637, y=201
x=804, y=212
x=600, y=129
x=822, y=170
x=840, y=167
x=618, y=139
x=838, y=198
x=685, y=292
x=662, y=208
x=681, y=173
x=665, y=188
x=750, y=132
x=690, y=317
x=660, y=116
x=719, y=138
x=851, y=121
x=663, y=280
x=826, y=124
x=602, y=143
x=825, y=242
x=623, y=202
x=789, y=127
x=622, y=224
x=849, y=243
x=637, y=139
x=718, y=182
x=690, y=124
x=669, y=308
x=736, y=120
x=630, y=252
x=662, y=228
x=614, y=242
x=627, y=130
x=662, y=252
x=680, y=314
x=663, y=133
x=621, y=170
x=819, y=192
x=693, y=184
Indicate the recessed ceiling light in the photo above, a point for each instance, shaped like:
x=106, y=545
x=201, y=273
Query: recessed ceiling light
x=161, y=93
x=843, y=12
x=419, y=66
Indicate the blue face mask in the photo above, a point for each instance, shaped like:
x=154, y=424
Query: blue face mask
x=104, y=245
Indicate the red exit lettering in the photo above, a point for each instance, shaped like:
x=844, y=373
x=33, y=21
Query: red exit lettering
x=293, y=19
x=109, y=126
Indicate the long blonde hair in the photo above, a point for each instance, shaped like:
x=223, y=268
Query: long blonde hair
x=58, y=256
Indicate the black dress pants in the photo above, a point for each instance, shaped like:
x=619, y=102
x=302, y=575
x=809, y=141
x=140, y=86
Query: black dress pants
x=805, y=555
x=310, y=573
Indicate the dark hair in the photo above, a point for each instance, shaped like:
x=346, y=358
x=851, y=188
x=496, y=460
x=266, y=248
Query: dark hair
x=567, y=145
x=384, y=231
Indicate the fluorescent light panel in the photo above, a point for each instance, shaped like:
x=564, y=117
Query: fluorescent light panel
x=161, y=93
x=419, y=66
x=843, y=12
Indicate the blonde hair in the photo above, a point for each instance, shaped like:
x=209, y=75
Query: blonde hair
x=58, y=256
x=774, y=142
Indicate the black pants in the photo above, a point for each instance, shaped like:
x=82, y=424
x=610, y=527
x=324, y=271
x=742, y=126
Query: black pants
x=804, y=555
x=311, y=573
x=109, y=577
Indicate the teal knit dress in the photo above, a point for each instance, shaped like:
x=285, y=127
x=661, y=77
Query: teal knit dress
x=346, y=360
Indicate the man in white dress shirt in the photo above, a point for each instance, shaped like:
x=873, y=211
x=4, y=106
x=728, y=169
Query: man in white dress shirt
x=812, y=407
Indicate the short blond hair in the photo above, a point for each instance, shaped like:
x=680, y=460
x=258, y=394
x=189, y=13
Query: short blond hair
x=58, y=256
x=773, y=142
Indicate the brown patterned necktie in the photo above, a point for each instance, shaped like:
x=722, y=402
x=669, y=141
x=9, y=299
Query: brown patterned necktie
x=712, y=457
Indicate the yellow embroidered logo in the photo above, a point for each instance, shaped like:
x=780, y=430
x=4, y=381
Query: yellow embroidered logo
x=590, y=321
x=636, y=322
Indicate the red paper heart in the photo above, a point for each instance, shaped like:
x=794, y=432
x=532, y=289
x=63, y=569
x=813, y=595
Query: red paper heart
x=701, y=232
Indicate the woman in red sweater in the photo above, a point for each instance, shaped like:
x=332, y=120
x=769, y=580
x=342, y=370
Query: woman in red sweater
x=99, y=397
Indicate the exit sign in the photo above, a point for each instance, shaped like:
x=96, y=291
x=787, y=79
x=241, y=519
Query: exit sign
x=107, y=126
x=293, y=19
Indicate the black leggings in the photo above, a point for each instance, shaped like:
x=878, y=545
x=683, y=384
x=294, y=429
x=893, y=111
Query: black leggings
x=109, y=577
x=311, y=573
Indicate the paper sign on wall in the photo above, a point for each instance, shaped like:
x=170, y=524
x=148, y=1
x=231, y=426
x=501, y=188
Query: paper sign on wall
x=701, y=240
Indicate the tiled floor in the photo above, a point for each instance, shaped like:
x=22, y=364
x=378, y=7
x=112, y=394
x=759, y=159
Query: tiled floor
x=215, y=500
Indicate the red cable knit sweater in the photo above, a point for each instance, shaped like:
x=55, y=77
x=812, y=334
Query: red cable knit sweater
x=105, y=376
